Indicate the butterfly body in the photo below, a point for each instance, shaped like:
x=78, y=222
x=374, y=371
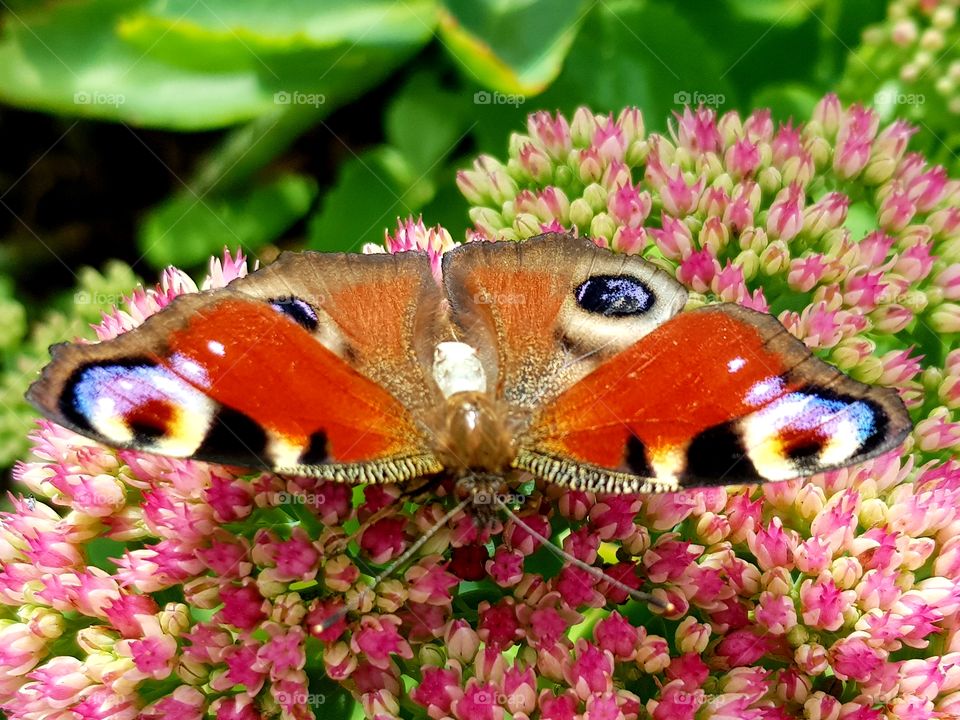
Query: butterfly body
x=552, y=357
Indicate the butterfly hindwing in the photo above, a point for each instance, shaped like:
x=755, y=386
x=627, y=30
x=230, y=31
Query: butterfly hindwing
x=718, y=395
x=266, y=372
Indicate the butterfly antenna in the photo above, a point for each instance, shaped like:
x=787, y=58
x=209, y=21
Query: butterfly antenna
x=594, y=571
x=391, y=568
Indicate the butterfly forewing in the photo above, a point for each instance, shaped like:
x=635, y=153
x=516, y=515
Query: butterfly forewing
x=545, y=312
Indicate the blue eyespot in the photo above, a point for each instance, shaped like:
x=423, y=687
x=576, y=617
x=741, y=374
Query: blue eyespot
x=614, y=296
x=300, y=311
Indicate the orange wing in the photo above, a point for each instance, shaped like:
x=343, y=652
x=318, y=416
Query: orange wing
x=718, y=395
x=263, y=373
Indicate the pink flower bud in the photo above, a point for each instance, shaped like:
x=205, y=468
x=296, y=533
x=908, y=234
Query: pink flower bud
x=629, y=240
x=535, y=163
x=820, y=706
x=551, y=132
x=743, y=647
x=758, y=127
x=896, y=211
x=608, y=140
x=948, y=280
x=698, y=270
x=653, y=654
x=697, y=130
x=937, y=432
x=437, y=690
x=811, y=658
x=946, y=318
x=776, y=613
x=680, y=197
x=673, y=238
x=827, y=213
x=616, y=635
x=714, y=202
x=691, y=636
x=785, y=218
x=828, y=113
x=772, y=546
x=928, y=189
x=742, y=158
x=823, y=603
x=590, y=669
x=628, y=206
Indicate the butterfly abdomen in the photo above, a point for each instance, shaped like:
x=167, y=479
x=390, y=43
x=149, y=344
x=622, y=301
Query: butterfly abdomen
x=473, y=437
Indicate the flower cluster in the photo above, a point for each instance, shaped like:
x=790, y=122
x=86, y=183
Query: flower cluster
x=137, y=586
x=910, y=63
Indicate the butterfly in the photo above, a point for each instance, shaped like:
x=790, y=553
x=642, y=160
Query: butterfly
x=552, y=357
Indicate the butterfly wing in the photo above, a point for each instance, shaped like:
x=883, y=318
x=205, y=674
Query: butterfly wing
x=313, y=365
x=545, y=312
x=718, y=395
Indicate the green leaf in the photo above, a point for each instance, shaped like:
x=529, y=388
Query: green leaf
x=786, y=101
x=774, y=12
x=647, y=55
x=424, y=122
x=202, y=65
x=187, y=229
x=371, y=192
x=259, y=24
x=511, y=46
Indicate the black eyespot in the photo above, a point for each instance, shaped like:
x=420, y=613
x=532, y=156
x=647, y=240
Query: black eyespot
x=300, y=311
x=614, y=296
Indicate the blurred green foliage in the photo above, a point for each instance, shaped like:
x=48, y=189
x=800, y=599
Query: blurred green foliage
x=316, y=123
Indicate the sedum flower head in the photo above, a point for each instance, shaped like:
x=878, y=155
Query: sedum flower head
x=137, y=586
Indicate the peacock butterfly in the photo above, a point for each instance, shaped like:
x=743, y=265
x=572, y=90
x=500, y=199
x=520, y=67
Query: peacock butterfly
x=552, y=357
